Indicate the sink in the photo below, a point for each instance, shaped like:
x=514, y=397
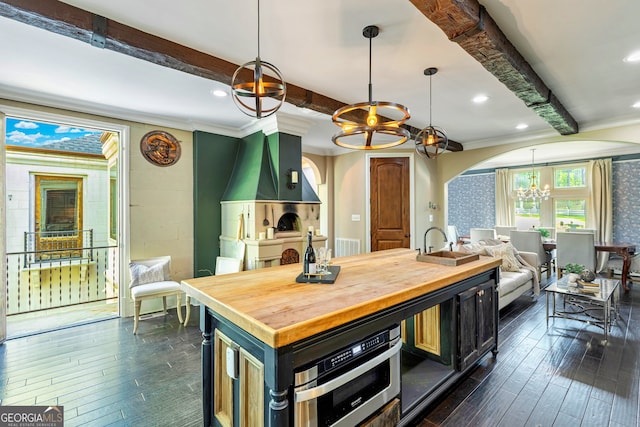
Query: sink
x=448, y=257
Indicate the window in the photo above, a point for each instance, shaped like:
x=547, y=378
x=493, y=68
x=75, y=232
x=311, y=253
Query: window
x=570, y=196
x=58, y=215
x=58, y=201
x=570, y=177
x=566, y=207
x=527, y=211
x=570, y=213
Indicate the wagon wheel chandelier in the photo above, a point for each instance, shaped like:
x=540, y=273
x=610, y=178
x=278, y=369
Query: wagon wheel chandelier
x=374, y=130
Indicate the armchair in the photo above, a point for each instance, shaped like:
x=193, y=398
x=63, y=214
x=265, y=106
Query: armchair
x=151, y=278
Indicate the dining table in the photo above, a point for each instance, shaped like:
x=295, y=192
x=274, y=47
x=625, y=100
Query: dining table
x=623, y=249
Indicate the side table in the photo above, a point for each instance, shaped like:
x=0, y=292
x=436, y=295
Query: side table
x=580, y=304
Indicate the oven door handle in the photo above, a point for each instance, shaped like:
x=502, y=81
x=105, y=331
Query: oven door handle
x=312, y=393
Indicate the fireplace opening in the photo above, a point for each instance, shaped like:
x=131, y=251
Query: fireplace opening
x=289, y=256
x=289, y=222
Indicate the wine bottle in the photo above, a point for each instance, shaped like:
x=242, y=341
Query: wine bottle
x=309, y=261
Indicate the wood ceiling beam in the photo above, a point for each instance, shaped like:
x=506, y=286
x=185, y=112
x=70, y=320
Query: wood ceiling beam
x=70, y=21
x=467, y=23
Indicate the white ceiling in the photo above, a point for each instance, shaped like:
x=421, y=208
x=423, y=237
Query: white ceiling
x=576, y=46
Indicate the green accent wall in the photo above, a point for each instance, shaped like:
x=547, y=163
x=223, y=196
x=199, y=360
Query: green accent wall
x=213, y=159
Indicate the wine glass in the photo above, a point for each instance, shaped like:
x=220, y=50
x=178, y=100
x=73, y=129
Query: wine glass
x=327, y=260
x=321, y=253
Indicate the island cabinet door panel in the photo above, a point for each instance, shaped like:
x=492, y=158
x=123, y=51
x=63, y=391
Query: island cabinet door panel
x=476, y=323
x=251, y=390
x=222, y=382
x=237, y=373
x=487, y=317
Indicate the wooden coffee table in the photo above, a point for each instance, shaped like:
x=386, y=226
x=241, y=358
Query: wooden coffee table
x=584, y=304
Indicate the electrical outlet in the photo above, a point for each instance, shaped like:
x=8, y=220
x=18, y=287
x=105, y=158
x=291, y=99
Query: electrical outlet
x=355, y=217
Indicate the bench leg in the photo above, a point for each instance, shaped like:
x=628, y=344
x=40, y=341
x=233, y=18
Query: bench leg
x=136, y=316
x=164, y=305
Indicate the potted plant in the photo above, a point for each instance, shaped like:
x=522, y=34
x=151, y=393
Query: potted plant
x=573, y=271
x=544, y=232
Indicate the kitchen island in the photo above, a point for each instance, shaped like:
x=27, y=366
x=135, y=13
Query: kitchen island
x=261, y=326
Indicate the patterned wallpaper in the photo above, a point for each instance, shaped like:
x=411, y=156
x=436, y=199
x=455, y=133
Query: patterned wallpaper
x=626, y=201
x=472, y=201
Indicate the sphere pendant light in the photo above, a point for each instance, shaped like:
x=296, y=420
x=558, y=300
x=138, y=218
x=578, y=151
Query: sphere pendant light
x=366, y=125
x=432, y=140
x=268, y=96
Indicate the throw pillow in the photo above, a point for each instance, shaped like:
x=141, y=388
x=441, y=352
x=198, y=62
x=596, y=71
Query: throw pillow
x=472, y=248
x=142, y=274
x=506, y=252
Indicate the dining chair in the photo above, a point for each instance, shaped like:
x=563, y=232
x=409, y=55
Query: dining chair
x=503, y=230
x=224, y=265
x=582, y=230
x=452, y=234
x=531, y=241
x=477, y=234
x=575, y=248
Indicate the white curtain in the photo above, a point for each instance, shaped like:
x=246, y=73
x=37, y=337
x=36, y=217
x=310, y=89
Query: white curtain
x=504, y=202
x=600, y=206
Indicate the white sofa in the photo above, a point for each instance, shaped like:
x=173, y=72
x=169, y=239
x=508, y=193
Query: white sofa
x=513, y=284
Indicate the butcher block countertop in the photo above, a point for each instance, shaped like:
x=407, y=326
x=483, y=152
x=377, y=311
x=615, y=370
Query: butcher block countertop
x=270, y=305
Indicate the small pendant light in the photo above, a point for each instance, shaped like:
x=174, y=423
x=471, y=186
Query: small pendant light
x=432, y=140
x=268, y=96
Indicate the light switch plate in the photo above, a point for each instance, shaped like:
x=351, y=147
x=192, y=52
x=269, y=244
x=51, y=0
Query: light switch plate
x=355, y=217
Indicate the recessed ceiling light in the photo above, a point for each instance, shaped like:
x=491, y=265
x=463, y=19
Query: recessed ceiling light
x=636, y=105
x=479, y=99
x=522, y=126
x=634, y=57
x=218, y=92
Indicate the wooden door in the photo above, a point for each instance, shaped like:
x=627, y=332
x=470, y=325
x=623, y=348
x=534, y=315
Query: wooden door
x=390, y=216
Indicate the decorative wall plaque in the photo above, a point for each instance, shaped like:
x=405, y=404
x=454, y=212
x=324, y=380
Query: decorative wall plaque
x=160, y=148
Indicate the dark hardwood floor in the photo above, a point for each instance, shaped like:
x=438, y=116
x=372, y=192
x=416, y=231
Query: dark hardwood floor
x=564, y=376
x=104, y=375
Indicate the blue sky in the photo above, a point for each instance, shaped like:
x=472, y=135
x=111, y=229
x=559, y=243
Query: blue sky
x=28, y=133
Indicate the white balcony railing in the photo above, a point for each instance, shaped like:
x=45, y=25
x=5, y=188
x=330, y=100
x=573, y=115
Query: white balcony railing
x=44, y=279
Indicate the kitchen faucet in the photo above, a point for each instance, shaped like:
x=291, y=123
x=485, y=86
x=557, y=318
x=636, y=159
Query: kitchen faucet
x=443, y=233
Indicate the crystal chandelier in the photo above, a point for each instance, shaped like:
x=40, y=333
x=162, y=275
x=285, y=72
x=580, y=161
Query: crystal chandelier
x=533, y=192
